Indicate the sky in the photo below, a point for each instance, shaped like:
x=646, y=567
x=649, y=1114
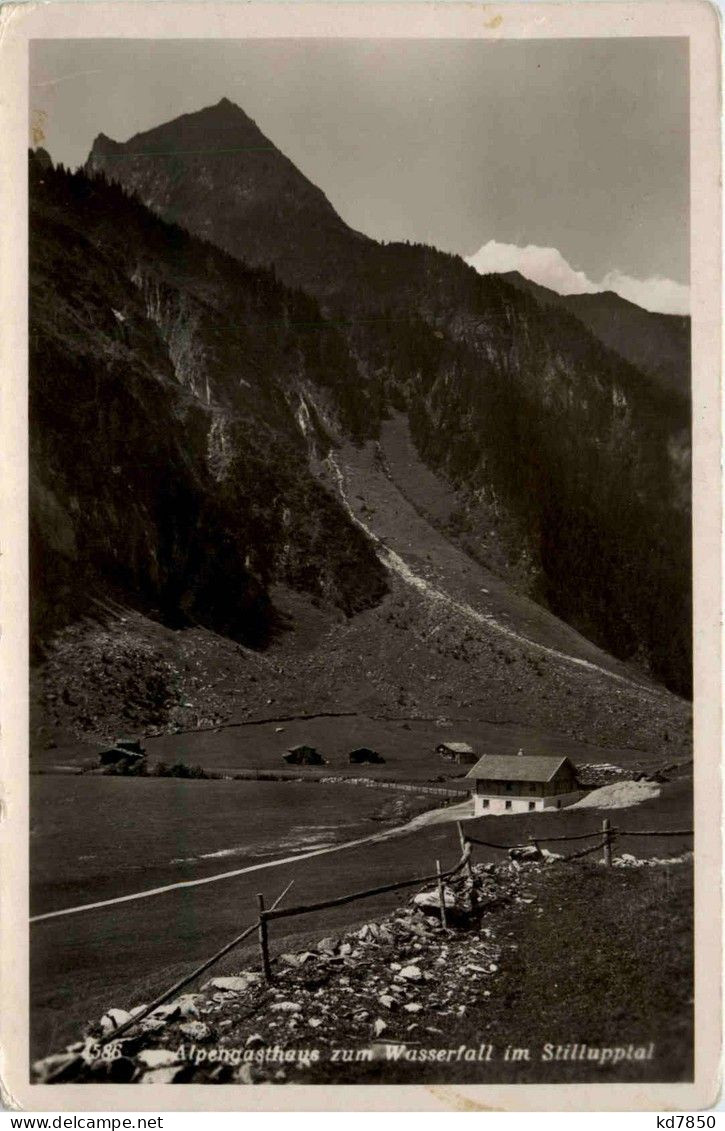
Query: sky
x=565, y=159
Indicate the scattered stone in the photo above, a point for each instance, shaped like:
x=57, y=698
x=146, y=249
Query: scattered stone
x=188, y=1004
x=158, y=1058
x=152, y=1024
x=197, y=1030
x=412, y=1007
x=286, y=1007
x=296, y=959
x=113, y=1020
x=411, y=973
x=379, y=1026
x=165, y=1075
x=525, y=853
x=238, y=984
x=431, y=899
x=53, y=1065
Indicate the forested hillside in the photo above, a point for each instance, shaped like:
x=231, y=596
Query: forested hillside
x=167, y=464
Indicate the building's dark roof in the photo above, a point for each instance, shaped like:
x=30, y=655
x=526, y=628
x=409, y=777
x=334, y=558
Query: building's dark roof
x=517, y=767
x=302, y=746
x=457, y=747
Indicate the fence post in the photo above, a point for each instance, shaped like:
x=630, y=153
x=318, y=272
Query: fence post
x=264, y=939
x=607, y=832
x=466, y=854
x=441, y=895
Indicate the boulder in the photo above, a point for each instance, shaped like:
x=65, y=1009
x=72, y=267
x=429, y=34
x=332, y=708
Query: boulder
x=239, y=983
x=151, y=1024
x=196, y=1030
x=525, y=853
x=166, y=1012
x=57, y=1066
x=113, y=1019
x=431, y=899
x=188, y=1004
x=296, y=960
x=165, y=1075
x=158, y=1058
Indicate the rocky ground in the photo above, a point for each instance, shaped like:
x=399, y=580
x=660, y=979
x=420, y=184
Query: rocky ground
x=405, y=982
x=122, y=673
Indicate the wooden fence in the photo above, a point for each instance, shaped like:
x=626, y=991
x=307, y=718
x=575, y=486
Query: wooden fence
x=265, y=917
x=605, y=838
x=608, y=834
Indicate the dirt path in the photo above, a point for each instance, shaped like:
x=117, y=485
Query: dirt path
x=434, y=817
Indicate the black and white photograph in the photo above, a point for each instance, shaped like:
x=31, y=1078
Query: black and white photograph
x=360, y=521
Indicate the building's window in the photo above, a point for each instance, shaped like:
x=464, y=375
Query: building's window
x=508, y=786
x=558, y=804
x=485, y=803
x=532, y=805
x=508, y=804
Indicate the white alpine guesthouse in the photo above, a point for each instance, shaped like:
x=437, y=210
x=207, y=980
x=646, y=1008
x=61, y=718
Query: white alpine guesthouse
x=521, y=783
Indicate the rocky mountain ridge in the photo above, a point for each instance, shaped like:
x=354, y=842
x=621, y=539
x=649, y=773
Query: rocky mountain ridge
x=576, y=461
x=657, y=344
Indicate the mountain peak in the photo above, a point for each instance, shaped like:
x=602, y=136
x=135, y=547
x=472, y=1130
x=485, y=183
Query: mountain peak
x=218, y=174
x=103, y=146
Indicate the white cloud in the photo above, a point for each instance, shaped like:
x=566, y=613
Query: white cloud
x=547, y=266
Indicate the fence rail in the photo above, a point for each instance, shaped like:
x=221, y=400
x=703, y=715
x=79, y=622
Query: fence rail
x=265, y=917
x=608, y=834
x=656, y=832
x=340, y=900
x=605, y=836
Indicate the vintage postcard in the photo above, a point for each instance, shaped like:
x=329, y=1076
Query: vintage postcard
x=361, y=668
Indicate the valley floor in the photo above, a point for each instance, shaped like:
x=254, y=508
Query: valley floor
x=563, y=972
x=124, y=954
